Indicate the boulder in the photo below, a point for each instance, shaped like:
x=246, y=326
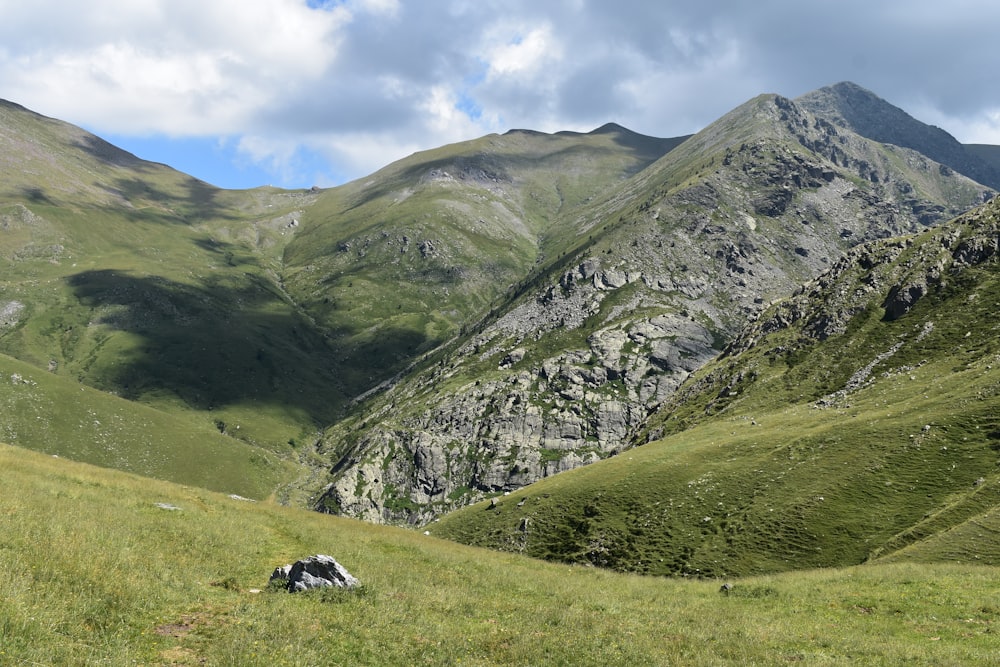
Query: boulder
x=902, y=298
x=314, y=572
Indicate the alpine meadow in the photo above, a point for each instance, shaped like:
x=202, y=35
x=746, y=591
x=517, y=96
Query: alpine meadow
x=554, y=399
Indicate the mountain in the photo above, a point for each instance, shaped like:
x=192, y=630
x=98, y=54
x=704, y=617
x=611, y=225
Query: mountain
x=162, y=293
x=650, y=281
x=457, y=325
x=397, y=263
x=248, y=321
x=987, y=153
x=153, y=323
x=855, y=421
x=850, y=106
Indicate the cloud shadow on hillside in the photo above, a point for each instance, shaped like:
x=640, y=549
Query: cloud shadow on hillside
x=216, y=345
x=184, y=195
x=196, y=201
x=36, y=195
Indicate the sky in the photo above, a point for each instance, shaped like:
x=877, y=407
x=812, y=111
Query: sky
x=297, y=93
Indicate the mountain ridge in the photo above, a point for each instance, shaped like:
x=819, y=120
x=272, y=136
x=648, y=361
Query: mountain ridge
x=849, y=105
x=455, y=325
x=743, y=209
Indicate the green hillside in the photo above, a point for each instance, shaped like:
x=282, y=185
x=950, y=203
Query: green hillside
x=397, y=263
x=242, y=312
x=131, y=278
x=64, y=418
x=96, y=568
x=852, y=422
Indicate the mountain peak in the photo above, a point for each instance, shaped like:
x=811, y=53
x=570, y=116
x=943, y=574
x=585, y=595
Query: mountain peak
x=858, y=109
x=864, y=112
x=850, y=88
x=611, y=128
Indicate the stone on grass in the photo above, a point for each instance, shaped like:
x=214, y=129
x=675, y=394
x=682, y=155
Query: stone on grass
x=314, y=572
x=168, y=507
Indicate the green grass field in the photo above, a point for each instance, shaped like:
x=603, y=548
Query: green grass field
x=93, y=572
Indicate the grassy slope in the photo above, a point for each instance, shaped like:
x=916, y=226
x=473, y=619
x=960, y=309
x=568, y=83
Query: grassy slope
x=60, y=417
x=131, y=278
x=763, y=480
x=167, y=314
x=93, y=572
x=398, y=262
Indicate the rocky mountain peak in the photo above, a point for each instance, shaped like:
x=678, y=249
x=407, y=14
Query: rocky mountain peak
x=850, y=106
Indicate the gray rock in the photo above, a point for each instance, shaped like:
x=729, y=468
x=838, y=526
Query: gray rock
x=610, y=279
x=902, y=298
x=513, y=357
x=318, y=571
x=10, y=313
x=168, y=507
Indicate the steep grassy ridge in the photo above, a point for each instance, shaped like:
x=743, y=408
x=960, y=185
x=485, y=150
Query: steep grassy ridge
x=94, y=570
x=852, y=421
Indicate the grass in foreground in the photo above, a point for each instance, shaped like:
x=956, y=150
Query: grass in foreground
x=92, y=571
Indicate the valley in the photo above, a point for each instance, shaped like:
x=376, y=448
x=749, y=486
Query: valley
x=765, y=353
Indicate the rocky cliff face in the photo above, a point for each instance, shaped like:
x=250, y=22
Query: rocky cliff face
x=853, y=421
x=901, y=269
x=668, y=268
x=882, y=280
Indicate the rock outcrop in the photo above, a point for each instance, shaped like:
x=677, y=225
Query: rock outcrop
x=318, y=571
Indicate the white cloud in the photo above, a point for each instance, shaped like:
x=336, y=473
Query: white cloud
x=362, y=152
x=277, y=156
x=985, y=129
x=523, y=53
x=172, y=66
x=384, y=7
x=365, y=152
x=367, y=81
x=444, y=116
x=982, y=127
